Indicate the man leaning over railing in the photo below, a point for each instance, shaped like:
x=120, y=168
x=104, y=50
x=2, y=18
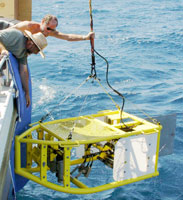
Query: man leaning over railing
x=20, y=45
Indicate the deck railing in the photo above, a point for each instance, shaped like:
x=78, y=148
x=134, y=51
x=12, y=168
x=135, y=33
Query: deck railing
x=5, y=76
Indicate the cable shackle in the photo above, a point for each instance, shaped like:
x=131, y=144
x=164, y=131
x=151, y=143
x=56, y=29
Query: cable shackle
x=93, y=70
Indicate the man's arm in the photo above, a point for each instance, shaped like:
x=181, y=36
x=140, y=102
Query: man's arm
x=24, y=74
x=34, y=27
x=1, y=47
x=71, y=37
x=3, y=51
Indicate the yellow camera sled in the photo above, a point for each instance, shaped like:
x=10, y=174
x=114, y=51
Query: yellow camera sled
x=130, y=151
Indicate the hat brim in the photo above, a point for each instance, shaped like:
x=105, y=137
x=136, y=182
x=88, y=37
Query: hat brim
x=29, y=34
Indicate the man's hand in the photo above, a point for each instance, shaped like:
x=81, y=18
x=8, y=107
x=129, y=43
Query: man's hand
x=24, y=74
x=3, y=51
x=28, y=101
x=90, y=35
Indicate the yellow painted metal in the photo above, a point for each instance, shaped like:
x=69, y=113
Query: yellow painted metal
x=32, y=170
x=70, y=143
x=40, y=133
x=81, y=160
x=83, y=190
x=66, y=177
x=17, y=154
x=50, y=142
x=51, y=152
x=29, y=151
x=157, y=150
x=43, y=165
x=78, y=183
x=36, y=155
x=50, y=132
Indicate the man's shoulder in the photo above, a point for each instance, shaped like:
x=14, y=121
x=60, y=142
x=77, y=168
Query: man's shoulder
x=11, y=33
x=27, y=25
x=11, y=30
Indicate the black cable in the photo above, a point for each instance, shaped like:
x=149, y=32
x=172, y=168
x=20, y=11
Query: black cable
x=117, y=92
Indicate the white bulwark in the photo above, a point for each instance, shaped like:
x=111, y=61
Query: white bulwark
x=7, y=124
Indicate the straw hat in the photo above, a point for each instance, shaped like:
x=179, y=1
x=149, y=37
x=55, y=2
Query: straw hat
x=39, y=40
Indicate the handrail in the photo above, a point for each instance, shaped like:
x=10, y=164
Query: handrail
x=2, y=61
x=4, y=72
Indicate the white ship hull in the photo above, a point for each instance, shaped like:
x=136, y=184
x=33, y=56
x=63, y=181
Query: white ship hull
x=8, y=116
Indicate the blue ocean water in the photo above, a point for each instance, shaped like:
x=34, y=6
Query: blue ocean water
x=143, y=42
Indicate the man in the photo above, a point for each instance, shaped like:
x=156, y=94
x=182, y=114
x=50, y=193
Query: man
x=48, y=28
x=21, y=46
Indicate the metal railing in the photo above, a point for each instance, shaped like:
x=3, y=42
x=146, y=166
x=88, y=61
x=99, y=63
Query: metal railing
x=5, y=76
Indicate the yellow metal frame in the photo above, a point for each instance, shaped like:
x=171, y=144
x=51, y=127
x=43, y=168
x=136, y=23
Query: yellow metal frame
x=47, y=138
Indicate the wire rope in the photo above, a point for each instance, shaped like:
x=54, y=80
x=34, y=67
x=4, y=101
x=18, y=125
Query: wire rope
x=69, y=95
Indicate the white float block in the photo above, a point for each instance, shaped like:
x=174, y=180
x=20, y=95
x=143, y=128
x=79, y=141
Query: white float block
x=80, y=151
x=135, y=156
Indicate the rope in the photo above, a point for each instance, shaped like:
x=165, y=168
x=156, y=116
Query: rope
x=117, y=106
x=75, y=122
x=140, y=110
x=73, y=92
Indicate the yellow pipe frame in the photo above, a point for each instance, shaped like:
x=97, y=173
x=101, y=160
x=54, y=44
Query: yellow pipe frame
x=67, y=146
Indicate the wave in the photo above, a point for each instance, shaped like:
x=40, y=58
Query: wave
x=47, y=94
x=177, y=100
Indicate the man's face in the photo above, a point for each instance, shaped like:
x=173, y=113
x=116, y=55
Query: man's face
x=46, y=28
x=31, y=47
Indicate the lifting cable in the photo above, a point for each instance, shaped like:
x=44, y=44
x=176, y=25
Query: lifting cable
x=94, y=75
x=69, y=95
x=75, y=121
x=93, y=70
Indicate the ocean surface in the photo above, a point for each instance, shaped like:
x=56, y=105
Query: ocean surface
x=143, y=43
